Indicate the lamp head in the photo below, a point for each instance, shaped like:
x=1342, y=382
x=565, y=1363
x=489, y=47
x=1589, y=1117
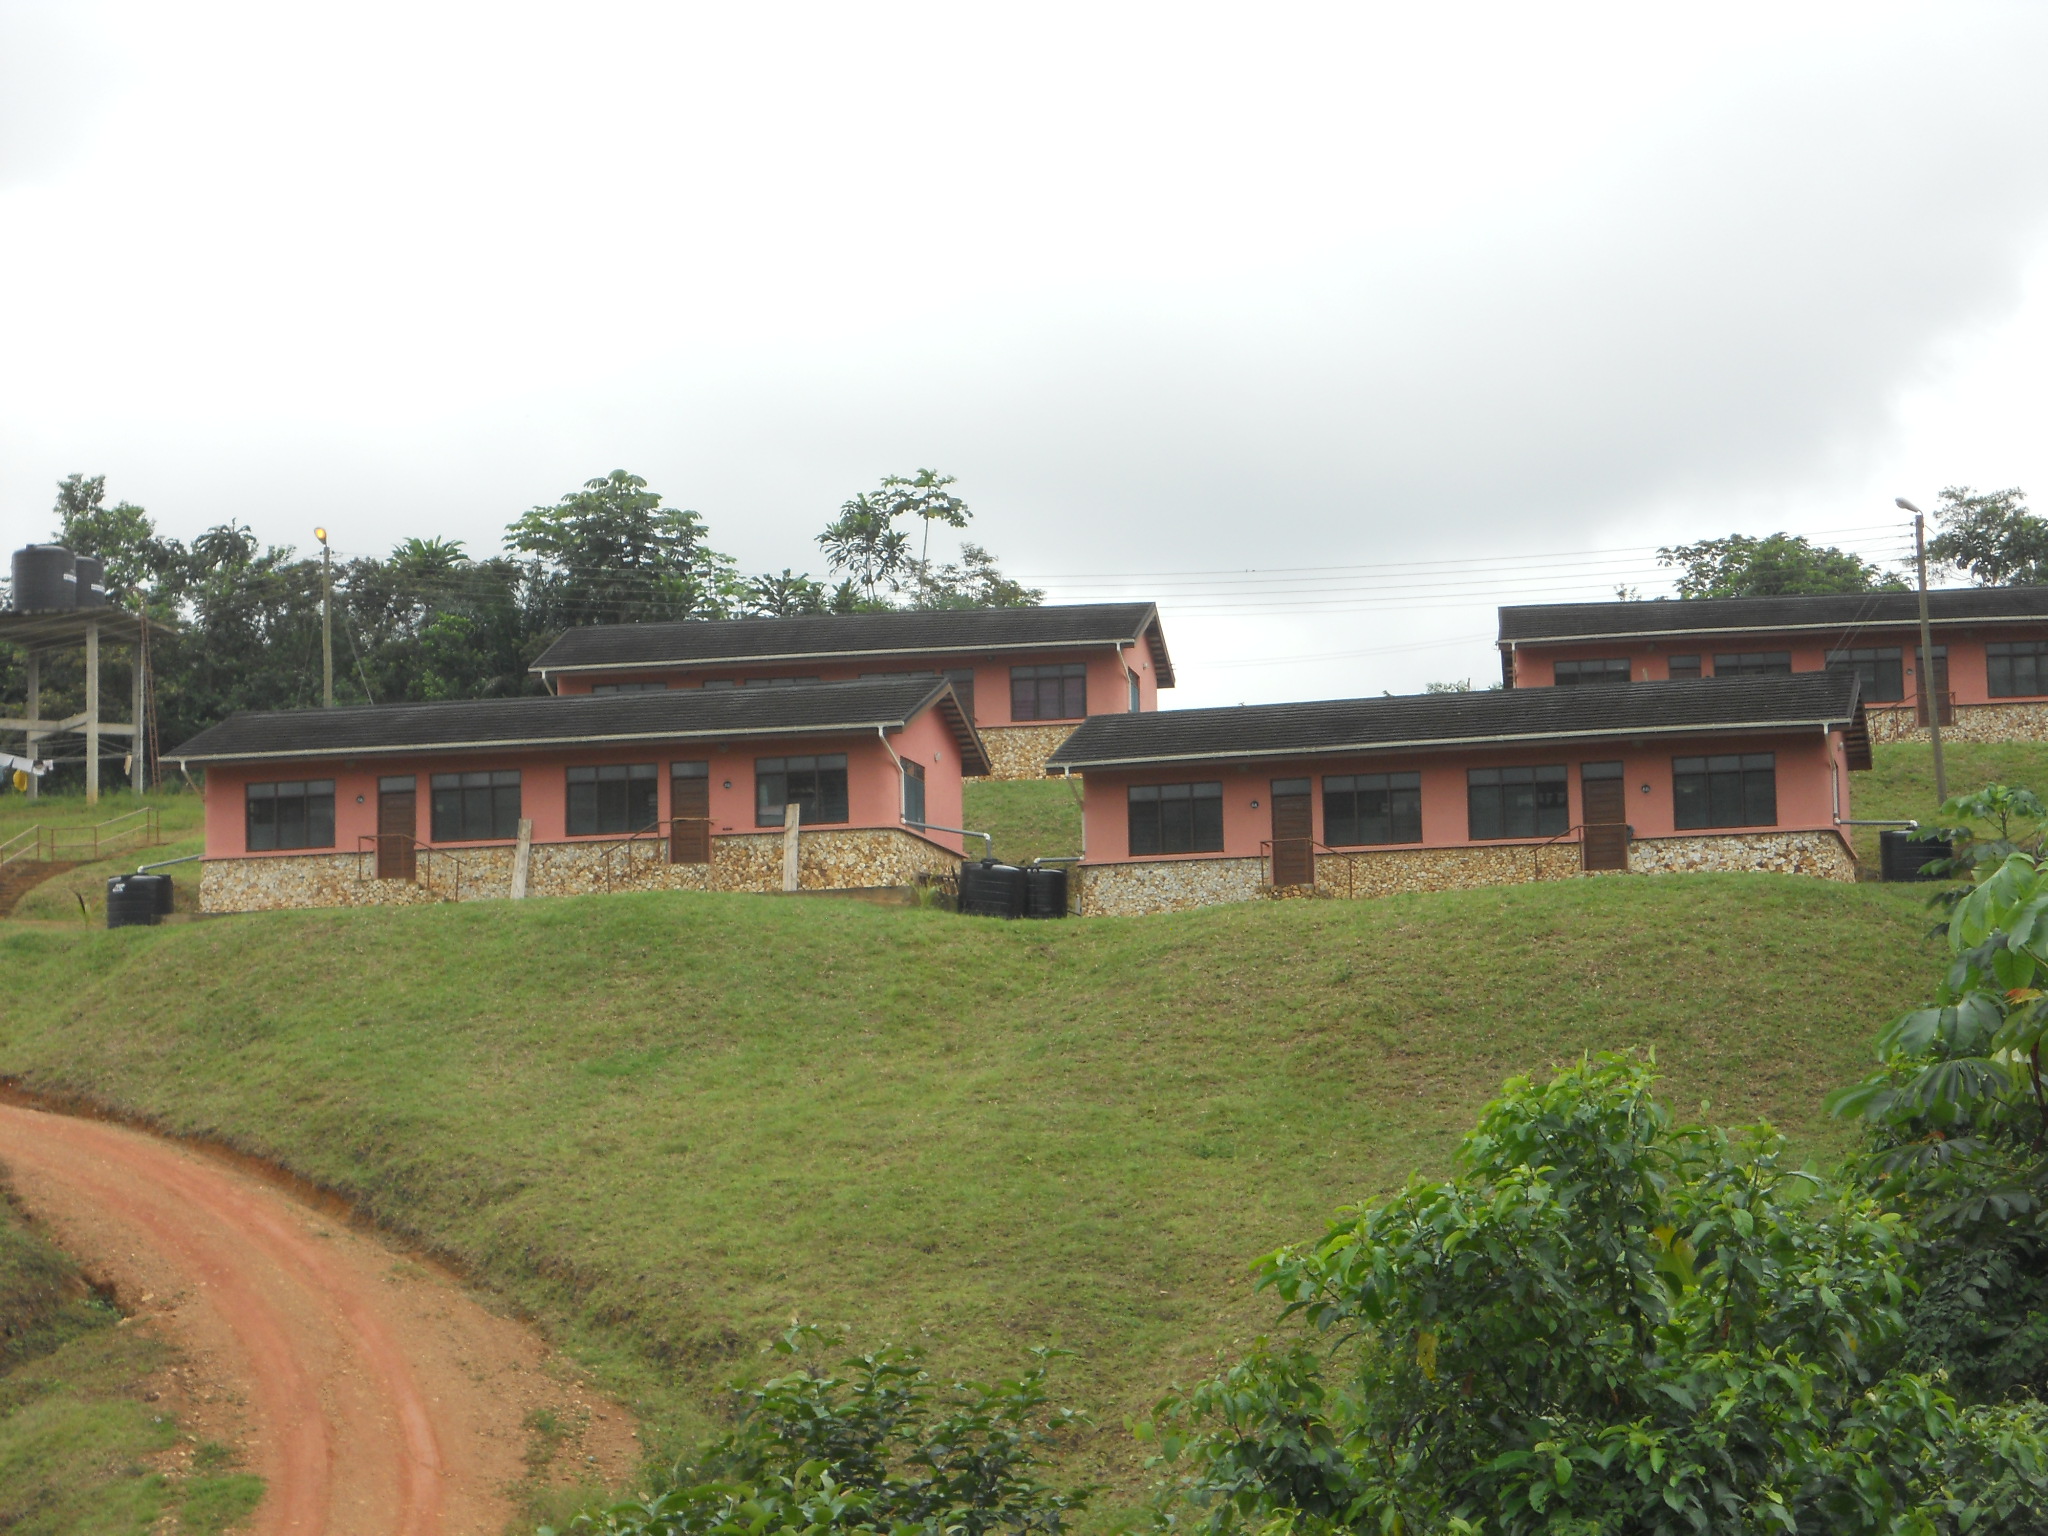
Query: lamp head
x=1906, y=506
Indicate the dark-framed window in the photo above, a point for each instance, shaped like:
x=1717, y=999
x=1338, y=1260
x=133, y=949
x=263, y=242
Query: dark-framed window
x=298, y=814
x=1517, y=802
x=1753, y=664
x=913, y=793
x=816, y=785
x=1372, y=808
x=629, y=687
x=1733, y=790
x=1882, y=668
x=1605, y=669
x=2015, y=668
x=613, y=797
x=1136, y=695
x=1176, y=818
x=472, y=807
x=1049, y=693
x=1681, y=667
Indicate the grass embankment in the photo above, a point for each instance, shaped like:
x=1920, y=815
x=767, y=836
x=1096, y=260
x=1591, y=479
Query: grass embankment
x=180, y=815
x=1027, y=818
x=666, y=1123
x=79, y=1440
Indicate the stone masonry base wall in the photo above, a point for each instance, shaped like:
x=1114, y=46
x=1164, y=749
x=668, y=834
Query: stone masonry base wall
x=1973, y=722
x=1176, y=885
x=1020, y=751
x=827, y=860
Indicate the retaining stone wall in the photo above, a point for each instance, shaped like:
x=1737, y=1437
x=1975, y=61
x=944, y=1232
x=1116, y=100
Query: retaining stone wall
x=827, y=860
x=1133, y=890
x=1020, y=751
x=1973, y=722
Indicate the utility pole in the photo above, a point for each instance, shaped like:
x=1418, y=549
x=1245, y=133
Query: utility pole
x=327, y=622
x=1926, y=676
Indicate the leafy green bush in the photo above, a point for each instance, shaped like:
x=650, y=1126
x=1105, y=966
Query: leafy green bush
x=879, y=1446
x=1604, y=1323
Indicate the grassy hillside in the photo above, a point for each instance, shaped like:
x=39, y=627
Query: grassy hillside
x=666, y=1123
x=57, y=898
x=78, y=1439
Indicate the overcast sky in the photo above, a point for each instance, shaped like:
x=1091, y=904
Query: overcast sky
x=1329, y=328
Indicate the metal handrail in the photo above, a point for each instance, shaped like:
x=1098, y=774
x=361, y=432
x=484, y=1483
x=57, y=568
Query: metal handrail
x=424, y=860
x=1350, y=865
x=648, y=833
x=46, y=842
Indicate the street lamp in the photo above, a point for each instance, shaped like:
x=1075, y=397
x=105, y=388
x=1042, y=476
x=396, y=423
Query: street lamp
x=1930, y=699
x=326, y=620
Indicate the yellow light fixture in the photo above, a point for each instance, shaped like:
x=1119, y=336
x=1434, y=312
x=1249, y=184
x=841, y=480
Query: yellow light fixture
x=320, y=534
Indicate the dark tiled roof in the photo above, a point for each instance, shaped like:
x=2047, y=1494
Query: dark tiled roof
x=1450, y=719
x=728, y=641
x=581, y=719
x=1709, y=615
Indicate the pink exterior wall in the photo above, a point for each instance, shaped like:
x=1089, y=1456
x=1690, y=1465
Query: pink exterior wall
x=1108, y=688
x=1808, y=771
x=1650, y=659
x=872, y=784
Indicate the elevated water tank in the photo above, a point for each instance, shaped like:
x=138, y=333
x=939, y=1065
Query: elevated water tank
x=1045, y=891
x=45, y=579
x=91, y=572
x=989, y=889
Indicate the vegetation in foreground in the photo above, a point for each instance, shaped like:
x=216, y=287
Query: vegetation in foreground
x=77, y=1438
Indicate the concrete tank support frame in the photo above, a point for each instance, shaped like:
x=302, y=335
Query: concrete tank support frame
x=38, y=633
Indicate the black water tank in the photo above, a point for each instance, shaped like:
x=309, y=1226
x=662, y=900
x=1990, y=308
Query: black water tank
x=989, y=889
x=165, y=893
x=45, y=579
x=1045, y=891
x=91, y=572
x=134, y=901
x=1901, y=854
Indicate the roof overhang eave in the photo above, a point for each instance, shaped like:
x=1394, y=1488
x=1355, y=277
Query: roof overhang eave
x=1765, y=629
x=499, y=744
x=878, y=655
x=1417, y=744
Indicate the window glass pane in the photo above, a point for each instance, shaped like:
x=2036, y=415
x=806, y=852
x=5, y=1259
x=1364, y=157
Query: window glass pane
x=1606, y=669
x=1516, y=802
x=320, y=814
x=1684, y=667
x=582, y=808
x=1754, y=664
x=262, y=807
x=1725, y=791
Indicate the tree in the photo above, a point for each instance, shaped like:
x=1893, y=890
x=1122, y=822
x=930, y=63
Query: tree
x=876, y=1445
x=785, y=596
x=864, y=543
x=122, y=535
x=1605, y=1322
x=1992, y=538
x=1777, y=565
x=611, y=553
x=975, y=582
x=925, y=497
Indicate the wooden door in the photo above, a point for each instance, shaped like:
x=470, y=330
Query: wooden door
x=689, y=828
x=1294, y=852
x=397, y=829
x=1943, y=697
x=1605, y=838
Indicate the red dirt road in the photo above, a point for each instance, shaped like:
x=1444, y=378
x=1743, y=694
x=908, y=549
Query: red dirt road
x=374, y=1397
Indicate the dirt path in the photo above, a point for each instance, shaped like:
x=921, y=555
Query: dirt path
x=373, y=1396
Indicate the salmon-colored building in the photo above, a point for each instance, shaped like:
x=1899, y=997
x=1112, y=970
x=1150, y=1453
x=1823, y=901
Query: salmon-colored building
x=1989, y=678
x=1026, y=676
x=685, y=789
x=1362, y=797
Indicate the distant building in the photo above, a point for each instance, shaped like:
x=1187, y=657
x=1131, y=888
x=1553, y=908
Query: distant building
x=1989, y=679
x=1027, y=676
x=1365, y=797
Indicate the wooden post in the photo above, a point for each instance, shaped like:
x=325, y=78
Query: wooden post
x=92, y=713
x=138, y=775
x=35, y=713
x=791, y=815
x=522, y=857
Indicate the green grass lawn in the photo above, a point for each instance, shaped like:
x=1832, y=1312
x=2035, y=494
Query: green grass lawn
x=77, y=1437
x=180, y=817
x=1028, y=818
x=665, y=1124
